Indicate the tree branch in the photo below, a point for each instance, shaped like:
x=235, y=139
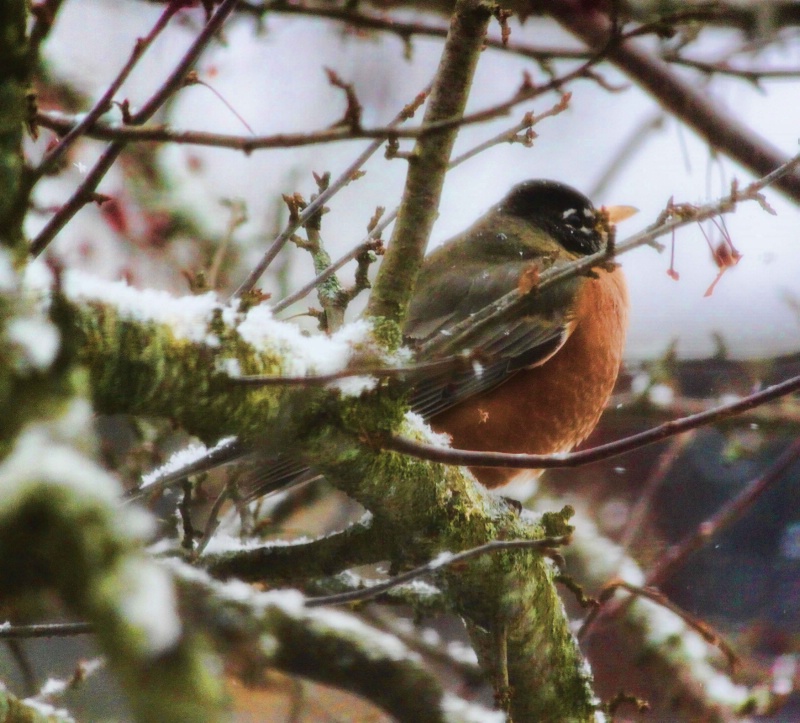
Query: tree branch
x=370, y=593
x=359, y=544
x=664, y=431
x=86, y=191
x=679, y=97
x=167, y=357
x=327, y=646
x=428, y=162
x=674, y=216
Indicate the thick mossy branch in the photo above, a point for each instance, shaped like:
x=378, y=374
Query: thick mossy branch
x=428, y=162
x=61, y=530
x=182, y=368
x=327, y=646
x=421, y=509
x=430, y=509
x=360, y=544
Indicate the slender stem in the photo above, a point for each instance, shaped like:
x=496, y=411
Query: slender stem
x=407, y=30
x=724, y=518
x=86, y=191
x=676, y=95
x=309, y=211
x=45, y=630
x=673, y=217
x=83, y=195
x=704, y=532
x=469, y=458
x=435, y=365
x=547, y=543
x=663, y=467
x=527, y=122
x=102, y=105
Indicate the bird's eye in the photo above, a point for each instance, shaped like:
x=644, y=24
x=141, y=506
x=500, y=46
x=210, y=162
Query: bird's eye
x=582, y=221
x=577, y=219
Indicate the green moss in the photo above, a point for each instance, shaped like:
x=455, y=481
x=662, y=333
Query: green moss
x=556, y=524
x=387, y=333
x=14, y=73
x=57, y=538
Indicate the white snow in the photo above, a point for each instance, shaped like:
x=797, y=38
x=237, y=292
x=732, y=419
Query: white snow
x=148, y=603
x=36, y=338
x=182, y=458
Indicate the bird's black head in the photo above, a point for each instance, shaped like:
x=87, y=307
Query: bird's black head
x=561, y=211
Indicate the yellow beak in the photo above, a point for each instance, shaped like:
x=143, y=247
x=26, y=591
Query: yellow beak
x=619, y=213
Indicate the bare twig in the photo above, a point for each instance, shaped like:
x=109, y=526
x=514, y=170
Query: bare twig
x=280, y=241
x=786, y=413
x=193, y=78
x=676, y=95
x=512, y=134
x=605, y=451
x=663, y=466
x=407, y=30
x=656, y=596
x=86, y=191
x=45, y=630
x=544, y=545
x=673, y=217
x=753, y=75
x=247, y=144
x=725, y=517
x=437, y=365
x=238, y=215
x=104, y=104
x=676, y=556
x=62, y=123
x=527, y=122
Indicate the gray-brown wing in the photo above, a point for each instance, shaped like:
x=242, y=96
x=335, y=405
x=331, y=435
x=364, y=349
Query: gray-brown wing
x=500, y=350
x=526, y=345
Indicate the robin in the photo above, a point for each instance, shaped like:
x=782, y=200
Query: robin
x=552, y=367
x=545, y=374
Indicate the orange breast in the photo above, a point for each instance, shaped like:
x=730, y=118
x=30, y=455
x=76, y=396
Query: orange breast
x=553, y=407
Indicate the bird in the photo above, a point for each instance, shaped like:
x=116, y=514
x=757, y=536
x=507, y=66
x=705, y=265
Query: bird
x=552, y=367
x=545, y=373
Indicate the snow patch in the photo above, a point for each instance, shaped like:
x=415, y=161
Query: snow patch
x=457, y=709
x=36, y=338
x=147, y=602
x=182, y=458
x=187, y=316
